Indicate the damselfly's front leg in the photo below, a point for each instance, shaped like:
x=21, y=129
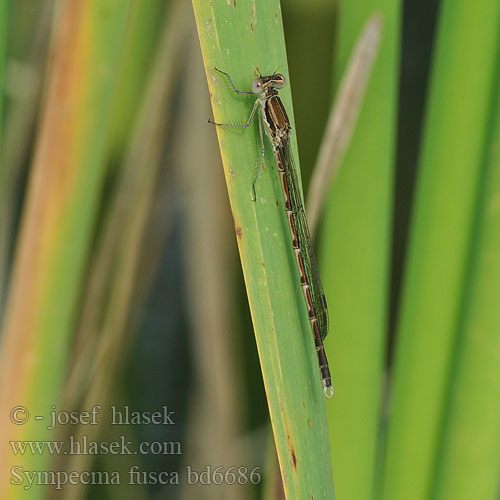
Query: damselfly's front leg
x=247, y=124
x=241, y=92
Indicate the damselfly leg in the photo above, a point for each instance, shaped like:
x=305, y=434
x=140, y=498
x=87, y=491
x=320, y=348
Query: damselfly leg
x=247, y=124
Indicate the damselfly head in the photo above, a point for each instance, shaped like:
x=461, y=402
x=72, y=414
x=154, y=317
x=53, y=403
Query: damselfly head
x=277, y=81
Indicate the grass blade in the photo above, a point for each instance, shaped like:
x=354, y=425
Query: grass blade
x=61, y=204
x=4, y=12
x=355, y=256
x=468, y=465
x=342, y=118
x=4, y=216
x=241, y=40
x=450, y=168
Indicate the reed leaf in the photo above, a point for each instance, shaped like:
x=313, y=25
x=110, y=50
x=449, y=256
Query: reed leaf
x=245, y=40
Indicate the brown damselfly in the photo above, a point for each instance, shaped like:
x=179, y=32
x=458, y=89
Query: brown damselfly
x=274, y=119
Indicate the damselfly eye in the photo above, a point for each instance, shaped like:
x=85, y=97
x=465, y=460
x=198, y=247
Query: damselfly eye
x=257, y=86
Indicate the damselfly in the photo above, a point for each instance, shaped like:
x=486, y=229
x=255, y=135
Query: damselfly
x=274, y=119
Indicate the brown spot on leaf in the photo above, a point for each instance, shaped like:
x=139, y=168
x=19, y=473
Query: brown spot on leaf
x=239, y=232
x=294, y=459
x=252, y=18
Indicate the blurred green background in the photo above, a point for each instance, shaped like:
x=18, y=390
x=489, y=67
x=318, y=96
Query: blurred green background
x=120, y=280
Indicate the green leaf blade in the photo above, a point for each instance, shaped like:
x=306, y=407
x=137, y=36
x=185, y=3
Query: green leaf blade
x=244, y=40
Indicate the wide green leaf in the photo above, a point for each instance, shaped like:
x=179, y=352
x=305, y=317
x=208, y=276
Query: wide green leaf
x=245, y=40
x=458, y=118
